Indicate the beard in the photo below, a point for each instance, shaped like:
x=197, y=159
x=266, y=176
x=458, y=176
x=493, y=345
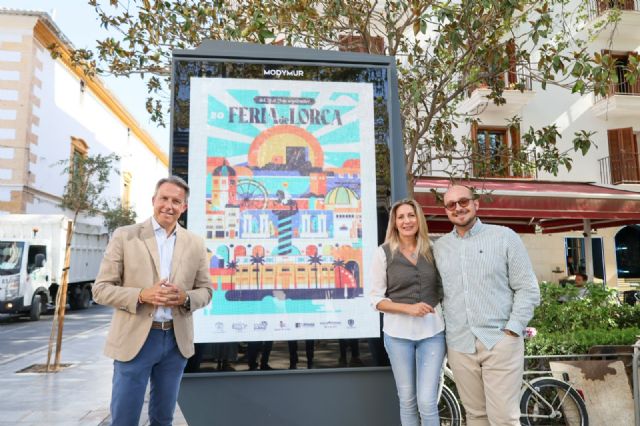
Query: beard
x=468, y=222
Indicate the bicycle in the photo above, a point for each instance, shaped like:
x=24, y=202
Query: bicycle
x=544, y=401
x=551, y=401
x=449, y=409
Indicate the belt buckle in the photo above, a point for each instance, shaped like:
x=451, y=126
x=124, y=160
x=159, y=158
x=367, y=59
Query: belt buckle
x=168, y=325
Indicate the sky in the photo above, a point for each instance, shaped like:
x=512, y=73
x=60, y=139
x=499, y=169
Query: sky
x=78, y=22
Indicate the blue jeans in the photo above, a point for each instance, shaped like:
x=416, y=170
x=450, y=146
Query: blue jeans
x=160, y=361
x=416, y=366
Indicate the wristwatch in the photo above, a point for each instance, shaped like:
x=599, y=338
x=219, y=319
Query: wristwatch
x=187, y=303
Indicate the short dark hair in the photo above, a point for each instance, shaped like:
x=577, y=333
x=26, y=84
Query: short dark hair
x=177, y=181
x=584, y=276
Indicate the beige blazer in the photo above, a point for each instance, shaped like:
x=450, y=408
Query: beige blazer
x=131, y=263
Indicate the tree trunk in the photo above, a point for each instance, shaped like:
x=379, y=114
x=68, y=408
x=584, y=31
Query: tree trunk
x=61, y=303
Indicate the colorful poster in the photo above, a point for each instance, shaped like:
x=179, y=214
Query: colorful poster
x=282, y=177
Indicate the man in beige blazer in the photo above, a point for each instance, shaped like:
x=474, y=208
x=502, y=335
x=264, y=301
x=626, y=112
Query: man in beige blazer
x=155, y=274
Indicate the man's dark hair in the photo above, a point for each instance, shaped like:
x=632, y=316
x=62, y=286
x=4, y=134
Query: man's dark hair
x=585, y=277
x=176, y=180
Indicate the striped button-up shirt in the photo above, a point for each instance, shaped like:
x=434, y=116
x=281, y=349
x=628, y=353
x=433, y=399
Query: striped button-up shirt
x=489, y=285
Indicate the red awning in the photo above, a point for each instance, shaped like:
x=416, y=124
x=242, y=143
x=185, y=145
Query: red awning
x=523, y=205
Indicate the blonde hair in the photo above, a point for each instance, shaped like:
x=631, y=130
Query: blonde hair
x=423, y=244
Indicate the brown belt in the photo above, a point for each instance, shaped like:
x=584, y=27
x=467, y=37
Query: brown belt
x=162, y=325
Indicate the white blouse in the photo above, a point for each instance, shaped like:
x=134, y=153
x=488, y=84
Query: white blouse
x=402, y=326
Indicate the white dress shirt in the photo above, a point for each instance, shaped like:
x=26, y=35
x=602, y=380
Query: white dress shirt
x=166, y=243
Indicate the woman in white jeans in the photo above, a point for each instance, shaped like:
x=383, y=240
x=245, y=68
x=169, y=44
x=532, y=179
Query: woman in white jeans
x=407, y=289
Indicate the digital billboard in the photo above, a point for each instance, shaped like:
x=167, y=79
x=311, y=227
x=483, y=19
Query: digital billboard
x=292, y=156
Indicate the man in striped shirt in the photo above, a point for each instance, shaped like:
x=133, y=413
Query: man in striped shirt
x=490, y=292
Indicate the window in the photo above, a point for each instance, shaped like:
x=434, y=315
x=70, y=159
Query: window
x=516, y=75
x=496, y=152
x=627, y=244
x=79, y=150
x=126, y=190
x=577, y=259
x=622, y=86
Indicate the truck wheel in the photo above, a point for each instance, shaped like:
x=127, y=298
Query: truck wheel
x=81, y=299
x=36, y=308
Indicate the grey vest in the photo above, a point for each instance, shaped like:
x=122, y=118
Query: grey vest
x=408, y=283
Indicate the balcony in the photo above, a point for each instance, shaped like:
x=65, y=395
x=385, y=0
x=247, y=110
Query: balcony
x=600, y=7
x=627, y=28
x=518, y=92
x=615, y=171
x=623, y=100
x=503, y=163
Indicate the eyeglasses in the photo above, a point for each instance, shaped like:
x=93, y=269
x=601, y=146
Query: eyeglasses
x=462, y=202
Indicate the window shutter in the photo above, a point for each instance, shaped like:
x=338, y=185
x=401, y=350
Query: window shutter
x=356, y=43
x=477, y=160
x=518, y=170
x=623, y=155
x=512, y=75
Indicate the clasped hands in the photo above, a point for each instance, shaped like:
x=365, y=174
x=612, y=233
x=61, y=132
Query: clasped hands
x=163, y=293
x=420, y=309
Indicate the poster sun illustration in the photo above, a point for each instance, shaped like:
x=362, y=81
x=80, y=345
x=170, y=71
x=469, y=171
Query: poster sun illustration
x=286, y=202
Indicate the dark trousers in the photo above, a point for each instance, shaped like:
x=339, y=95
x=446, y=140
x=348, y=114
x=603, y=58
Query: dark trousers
x=253, y=348
x=349, y=343
x=160, y=361
x=309, y=347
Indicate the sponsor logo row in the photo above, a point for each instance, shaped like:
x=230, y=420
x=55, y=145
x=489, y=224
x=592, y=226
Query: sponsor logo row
x=260, y=326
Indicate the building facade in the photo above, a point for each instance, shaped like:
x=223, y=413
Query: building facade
x=51, y=112
x=612, y=163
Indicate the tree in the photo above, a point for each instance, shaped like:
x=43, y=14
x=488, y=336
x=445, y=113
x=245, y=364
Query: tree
x=116, y=215
x=88, y=177
x=443, y=49
x=315, y=260
x=233, y=267
x=257, y=260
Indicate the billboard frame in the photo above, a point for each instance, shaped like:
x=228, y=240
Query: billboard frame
x=281, y=382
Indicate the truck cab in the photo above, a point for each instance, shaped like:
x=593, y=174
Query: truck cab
x=32, y=261
x=25, y=277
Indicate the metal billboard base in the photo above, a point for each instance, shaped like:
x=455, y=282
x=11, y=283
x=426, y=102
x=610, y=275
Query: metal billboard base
x=337, y=397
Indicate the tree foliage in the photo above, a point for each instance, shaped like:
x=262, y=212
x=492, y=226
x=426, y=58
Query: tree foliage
x=88, y=178
x=444, y=50
x=116, y=215
x=570, y=324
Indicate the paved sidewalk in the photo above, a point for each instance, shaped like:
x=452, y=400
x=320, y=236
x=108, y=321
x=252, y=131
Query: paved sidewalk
x=77, y=395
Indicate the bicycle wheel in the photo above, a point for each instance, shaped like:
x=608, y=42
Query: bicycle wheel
x=449, y=408
x=548, y=401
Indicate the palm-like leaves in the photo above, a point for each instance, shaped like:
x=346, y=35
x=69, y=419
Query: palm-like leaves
x=315, y=260
x=257, y=261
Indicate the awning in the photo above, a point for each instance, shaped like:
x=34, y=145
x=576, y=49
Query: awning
x=530, y=206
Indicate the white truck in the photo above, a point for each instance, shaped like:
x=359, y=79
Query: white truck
x=32, y=249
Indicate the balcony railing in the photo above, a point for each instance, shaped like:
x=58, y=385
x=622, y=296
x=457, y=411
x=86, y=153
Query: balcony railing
x=623, y=87
x=516, y=78
x=598, y=7
x=620, y=170
x=504, y=164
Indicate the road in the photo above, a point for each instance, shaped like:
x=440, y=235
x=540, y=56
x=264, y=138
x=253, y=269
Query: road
x=20, y=337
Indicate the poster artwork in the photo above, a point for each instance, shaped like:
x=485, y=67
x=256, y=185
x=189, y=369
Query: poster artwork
x=283, y=190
